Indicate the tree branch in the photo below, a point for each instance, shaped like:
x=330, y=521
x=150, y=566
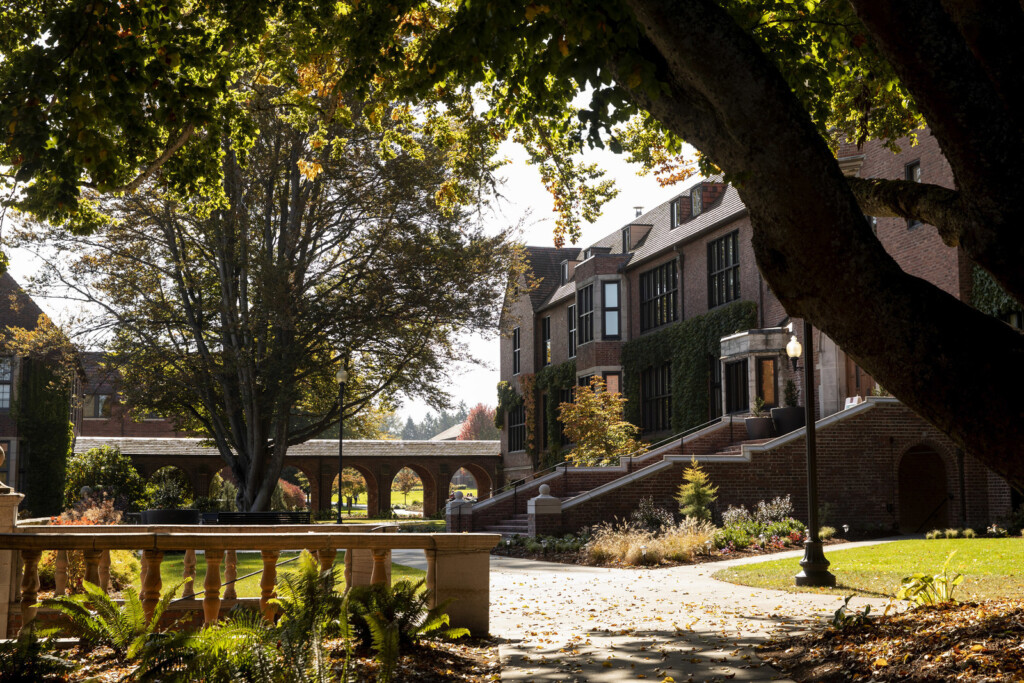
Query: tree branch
x=160, y=161
x=933, y=204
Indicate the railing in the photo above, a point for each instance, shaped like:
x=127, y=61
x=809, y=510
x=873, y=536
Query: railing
x=457, y=564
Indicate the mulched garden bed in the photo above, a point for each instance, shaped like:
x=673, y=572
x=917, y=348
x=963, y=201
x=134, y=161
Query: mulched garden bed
x=577, y=557
x=981, y=641
x=466, y=660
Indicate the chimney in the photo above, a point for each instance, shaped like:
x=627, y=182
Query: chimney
x=639, y=211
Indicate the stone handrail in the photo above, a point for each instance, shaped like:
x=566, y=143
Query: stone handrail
x=457, y=564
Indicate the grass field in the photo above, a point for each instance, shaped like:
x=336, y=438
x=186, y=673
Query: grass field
x=173, y=565
x=991, y=567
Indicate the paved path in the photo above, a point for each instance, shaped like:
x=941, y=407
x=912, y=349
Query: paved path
x=575, y=624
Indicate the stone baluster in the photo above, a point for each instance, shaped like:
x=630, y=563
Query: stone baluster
x=188, y=574
x=431, y=577
x=60, y=573
x=380, y=568
x=29, y=585
x=268, y=581
x=92, y=566
x=230, y=574
x=326, y=558
x=142, y=569
x=152, y=583
x=104, y=571
x=211, y=585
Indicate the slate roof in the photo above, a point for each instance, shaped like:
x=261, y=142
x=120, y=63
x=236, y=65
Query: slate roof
x=184, y=446
x=17, y=309
x=450, y=434
x=545, y=262
x=662, y=235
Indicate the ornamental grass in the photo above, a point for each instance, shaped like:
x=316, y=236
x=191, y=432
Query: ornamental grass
x=630, y=544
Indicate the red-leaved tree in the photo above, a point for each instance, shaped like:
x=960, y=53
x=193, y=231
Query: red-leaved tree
x=479, y=425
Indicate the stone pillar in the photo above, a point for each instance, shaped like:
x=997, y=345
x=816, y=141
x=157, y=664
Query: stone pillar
x=458, y=514
x=464, y=578
x=9, y=501
x=544, y=513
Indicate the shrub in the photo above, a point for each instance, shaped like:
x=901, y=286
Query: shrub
x=996, y=531
x=650, y=516
x=697, y=494
x=168, y=489
x=778, y=510
x=933, y=534
x=826, y=532
x=952, y=533
x=735, y=536
x=106, y=471
x=124, y=566
x=735, y=515
x=970, y=533
x=632, y=544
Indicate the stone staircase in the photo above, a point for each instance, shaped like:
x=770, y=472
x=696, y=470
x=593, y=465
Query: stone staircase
x=516, y=525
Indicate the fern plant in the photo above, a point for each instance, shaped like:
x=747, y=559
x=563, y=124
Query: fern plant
x=30, y=658
x=96, y=619
x=404, y=604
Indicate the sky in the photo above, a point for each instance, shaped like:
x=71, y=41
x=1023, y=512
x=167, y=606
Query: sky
x=527, y=199
x=524, y=201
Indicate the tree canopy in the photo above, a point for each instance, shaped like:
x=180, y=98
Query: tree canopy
x=764, y=89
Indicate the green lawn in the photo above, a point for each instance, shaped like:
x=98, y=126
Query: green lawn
x=991, y=567
x=173, y=565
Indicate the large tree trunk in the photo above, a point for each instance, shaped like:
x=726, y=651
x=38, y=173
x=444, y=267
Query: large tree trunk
x=958, y=368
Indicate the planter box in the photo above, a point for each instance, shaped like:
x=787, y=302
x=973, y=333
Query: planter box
x=759, y=427
x=787, y=419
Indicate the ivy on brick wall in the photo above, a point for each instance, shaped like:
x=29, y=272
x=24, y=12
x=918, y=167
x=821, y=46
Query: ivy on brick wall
x=687, y=345
x=508, y=399
x=41, y=412
x=988, y=297
x=528, y=384
x=551, y=380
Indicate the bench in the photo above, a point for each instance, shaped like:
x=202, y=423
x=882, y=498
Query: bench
x=276, y=518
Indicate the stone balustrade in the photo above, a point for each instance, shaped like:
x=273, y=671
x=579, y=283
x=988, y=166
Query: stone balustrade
x=458, y=567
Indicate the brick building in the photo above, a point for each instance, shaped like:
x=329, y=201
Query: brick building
x=670, y=309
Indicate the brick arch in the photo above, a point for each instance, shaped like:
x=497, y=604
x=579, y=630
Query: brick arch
x=484, y=480
x=314, y=485
x=372, y=498
x=429, y=479
x=925, y=474
x=186, y=472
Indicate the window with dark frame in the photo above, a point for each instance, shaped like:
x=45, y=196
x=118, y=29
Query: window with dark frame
x=517, y=429
x=723, y=270
x=611, y=307
x=564, y=272
x=585, y=306
x=659, y=296
x=571, y=327
x=584, y=381
x=656, y=398
x=545, y=340
x=767, y=382
x=737, y=399
x=696, y=201
x=625, y=240
x=913, y=174
x=6, y=378
x=714, y=387
x=97, y=405
x=515, y=351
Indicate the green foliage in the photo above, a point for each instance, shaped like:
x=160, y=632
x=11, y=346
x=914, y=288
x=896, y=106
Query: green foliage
x=97, y=620
x=508, y=399
x=552, y=380
x=826, y=532
x=168, y=489
x=403, y=607
x=930, y=589
x=687, y=345
x=844, y=617
x=757, y=407
x=594, y=423
x=989, y=297
x=736, y=536
x=697, y=493
x=970, y=533
x=952, y=533
x=41, y=412
x=106, y=471
x=30, y=659
x=790, y=394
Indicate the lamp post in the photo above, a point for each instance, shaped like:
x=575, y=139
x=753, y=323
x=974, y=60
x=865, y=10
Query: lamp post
x=814, y=567
x=342, y=378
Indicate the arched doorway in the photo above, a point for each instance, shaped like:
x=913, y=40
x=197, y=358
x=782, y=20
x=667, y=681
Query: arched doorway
x=407, y=493
x=924, y=491
x=293, y=490
x=481, y=478
x=355, y=493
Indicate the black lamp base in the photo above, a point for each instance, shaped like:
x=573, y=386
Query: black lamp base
x=814, y=567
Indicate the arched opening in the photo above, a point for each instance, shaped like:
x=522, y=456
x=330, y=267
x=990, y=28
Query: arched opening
x=223, y=493
x=292, y=492
x=170, y=489
x=355, y=492
x=407, y=493
x=463, y=480
x=481, y=478
x=923, y=493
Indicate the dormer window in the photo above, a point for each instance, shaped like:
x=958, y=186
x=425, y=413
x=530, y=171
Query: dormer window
x=564, y=277
x=586, y=254
x=625, y=240
x=675, y=217
x=696, y=201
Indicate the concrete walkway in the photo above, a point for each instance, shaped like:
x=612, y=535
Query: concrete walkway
x=574, y=624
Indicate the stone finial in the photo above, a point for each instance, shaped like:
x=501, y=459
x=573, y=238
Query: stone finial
x=544, y=503
x=545, y=491
x=459, y=496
